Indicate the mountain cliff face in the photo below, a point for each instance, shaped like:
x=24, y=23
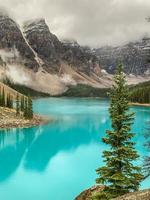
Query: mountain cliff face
x=13, y=44
x=44, y=43
x=81, y=58
x=36, y=58
x=134, y=57
x=54, y=52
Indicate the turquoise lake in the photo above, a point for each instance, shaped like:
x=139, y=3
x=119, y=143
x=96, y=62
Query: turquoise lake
x=58, y=160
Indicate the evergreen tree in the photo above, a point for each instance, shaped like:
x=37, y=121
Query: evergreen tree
x=0, y=97
x=22, y=104
x=11, y=101
x=119, y=175
x=17, y=105
x=25, y=114
x=140, y=93
x=30, y=108
x=3, y=98
x=8, y=101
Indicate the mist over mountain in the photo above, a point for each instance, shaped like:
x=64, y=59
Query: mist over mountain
x=37, y=58
x=133, y=55
x=95, y=23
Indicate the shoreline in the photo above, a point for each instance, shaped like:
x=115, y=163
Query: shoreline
x=8, y=119
x=90, y=192
x=23, y=123
x=103, y=98
x=139, y=104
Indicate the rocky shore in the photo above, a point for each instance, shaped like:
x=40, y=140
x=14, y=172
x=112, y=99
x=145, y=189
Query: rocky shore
x=87, y=194
x=8, y=119
x=140, y=195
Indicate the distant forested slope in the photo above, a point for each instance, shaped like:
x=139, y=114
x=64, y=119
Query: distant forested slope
x=140, y=93
x=25, y=90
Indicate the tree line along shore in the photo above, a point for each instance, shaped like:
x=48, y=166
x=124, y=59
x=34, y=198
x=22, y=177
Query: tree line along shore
x=16, y=110
x=138, y=94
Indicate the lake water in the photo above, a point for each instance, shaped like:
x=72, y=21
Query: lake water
x=58, y=160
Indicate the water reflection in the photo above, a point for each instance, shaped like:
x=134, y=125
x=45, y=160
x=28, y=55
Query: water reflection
x=55, y=139
x=13, y=145
x=71, y=142
x=38, y=145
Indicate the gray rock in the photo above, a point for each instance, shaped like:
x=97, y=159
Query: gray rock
x=141, y=195
x=11, y=38
x=53, y=52
x=134, y=56
x=44, y=43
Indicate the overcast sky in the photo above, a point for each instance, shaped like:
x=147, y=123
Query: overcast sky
x=90, y=22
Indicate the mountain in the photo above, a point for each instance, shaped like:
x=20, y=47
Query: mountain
x=54, y=52
x=134, y=56
x=13, y=46
x=44, y=43
x=34, y=57
x=81, y=58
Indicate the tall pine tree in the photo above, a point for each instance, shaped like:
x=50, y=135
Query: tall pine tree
x=119, y=174
x=17, y=105
x=25, y=113
x=0, y=97
x=3, y=97
x=30, y=108
x=22, y=106
x=9, y=101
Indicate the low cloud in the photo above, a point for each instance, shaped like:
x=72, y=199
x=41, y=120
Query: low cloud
x=17, y=75
x=94, y=23
x=7, y=56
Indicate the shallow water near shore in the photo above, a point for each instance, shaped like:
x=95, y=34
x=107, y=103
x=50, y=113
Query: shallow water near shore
x=57, y=161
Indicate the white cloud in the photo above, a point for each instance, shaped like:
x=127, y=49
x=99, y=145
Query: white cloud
x=17, y=75
x=94, y=23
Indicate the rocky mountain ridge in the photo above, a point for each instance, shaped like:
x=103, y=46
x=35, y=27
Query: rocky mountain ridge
x=134, y=56
x=13, y=43
x=35, y=57
x=53, y=52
